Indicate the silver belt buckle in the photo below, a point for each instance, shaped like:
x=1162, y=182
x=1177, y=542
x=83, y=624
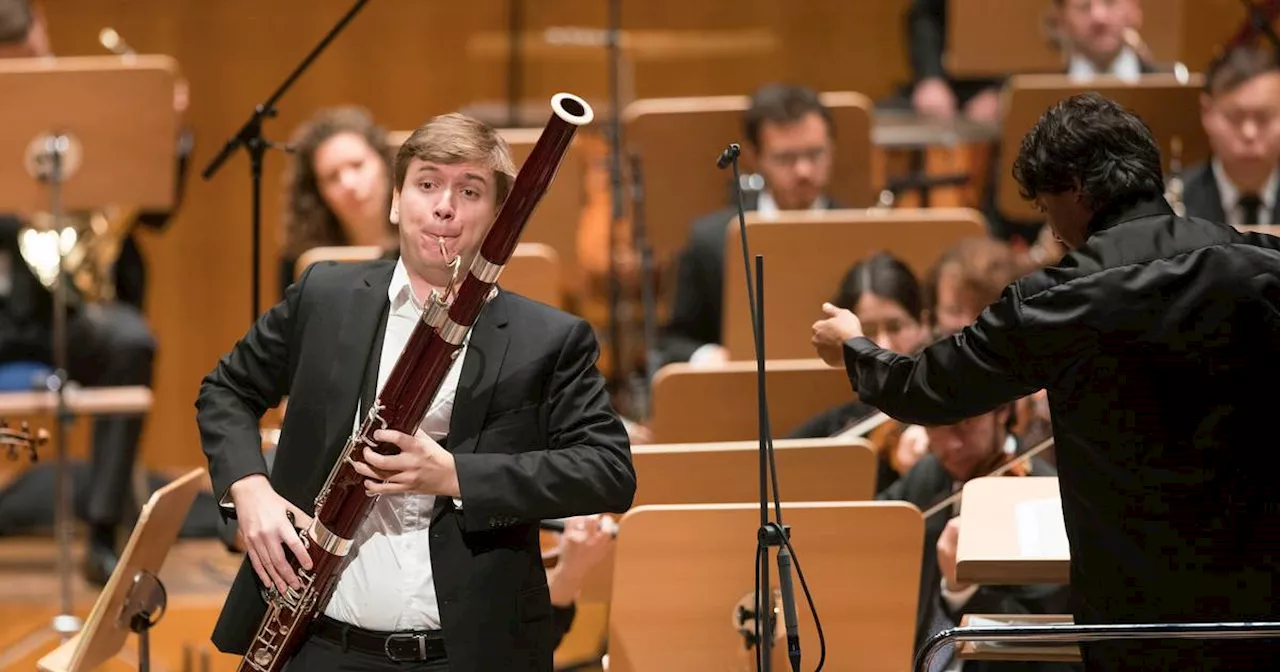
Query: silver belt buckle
x=422, y=647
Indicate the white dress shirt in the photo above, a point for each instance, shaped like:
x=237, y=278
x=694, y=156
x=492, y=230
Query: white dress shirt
x=1231, y=196
x=1127, y=66
x=387, y=583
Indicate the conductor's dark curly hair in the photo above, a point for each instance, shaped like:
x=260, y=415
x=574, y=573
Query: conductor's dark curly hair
x=1093, y=144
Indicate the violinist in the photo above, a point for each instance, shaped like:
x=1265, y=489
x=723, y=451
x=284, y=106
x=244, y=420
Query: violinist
x=1152, y=337
x=883, y=292
x=967, y=449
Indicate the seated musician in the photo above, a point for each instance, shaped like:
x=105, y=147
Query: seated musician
x=337, y=187
x=109, y=341
x=969, y=449
x=790, y=138
x=883, y=292
x=1093, y=36
x=1240, y=111
x=446, y=570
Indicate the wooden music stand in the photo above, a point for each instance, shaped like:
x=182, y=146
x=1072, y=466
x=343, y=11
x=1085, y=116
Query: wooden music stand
x=118, y=114
x=1169, y=106
x=807, y=253
x=809, y=470
x=134, y=598
x=682, y=575
x=1021, y=539
x=797, y=389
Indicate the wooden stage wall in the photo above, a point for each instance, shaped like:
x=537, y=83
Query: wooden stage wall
x=407, y=60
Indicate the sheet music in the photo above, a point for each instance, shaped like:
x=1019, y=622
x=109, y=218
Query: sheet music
x=1041, y=532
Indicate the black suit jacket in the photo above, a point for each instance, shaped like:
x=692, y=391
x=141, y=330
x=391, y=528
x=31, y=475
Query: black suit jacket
x=697, y=309
x=532, y=432
x=928, y=483
x=1152, y=340
x=1200, y=194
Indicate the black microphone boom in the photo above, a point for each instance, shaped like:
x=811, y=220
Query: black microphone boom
x=771, y=533
x=250, y=137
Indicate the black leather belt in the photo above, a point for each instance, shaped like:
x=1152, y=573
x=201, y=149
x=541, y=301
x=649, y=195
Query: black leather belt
x=421, y=645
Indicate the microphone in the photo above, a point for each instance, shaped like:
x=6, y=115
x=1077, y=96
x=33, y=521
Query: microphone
x=729, y=155
x=771, y=533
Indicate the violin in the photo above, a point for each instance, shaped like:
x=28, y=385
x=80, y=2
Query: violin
x=1010, y=465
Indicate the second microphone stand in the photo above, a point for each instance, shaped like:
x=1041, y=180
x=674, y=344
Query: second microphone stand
x=250, y=137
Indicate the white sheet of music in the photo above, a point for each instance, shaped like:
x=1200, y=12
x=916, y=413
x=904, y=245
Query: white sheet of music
x=1041, y=532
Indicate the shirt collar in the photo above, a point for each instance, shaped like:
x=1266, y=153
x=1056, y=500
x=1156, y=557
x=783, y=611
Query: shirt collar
x=768, y=208
x=1127, y=66
x=1231, y=195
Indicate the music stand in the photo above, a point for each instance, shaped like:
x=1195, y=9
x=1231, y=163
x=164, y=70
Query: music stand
x=90, y=132
x=1169, y=104
x=134, y=599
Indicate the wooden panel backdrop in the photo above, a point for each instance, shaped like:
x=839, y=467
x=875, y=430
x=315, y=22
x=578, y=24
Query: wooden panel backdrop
x=403, y=59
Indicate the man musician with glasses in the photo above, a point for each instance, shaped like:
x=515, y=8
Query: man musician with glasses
x=790, y=139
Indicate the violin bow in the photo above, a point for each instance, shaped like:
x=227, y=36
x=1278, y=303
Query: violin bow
x=999, y=471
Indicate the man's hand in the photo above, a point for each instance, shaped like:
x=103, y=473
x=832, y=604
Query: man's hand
x=947, y=544
x=830, y=334
x=932, y=97
x=422, y=467
x=585, y=542
x=265, y=530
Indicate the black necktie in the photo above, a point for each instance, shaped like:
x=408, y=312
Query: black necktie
x=1251, y=206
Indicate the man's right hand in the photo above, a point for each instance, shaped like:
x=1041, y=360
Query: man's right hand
x=265, y=527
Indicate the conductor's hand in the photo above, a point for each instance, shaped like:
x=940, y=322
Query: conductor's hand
x=830, y=334
x=266, y=530
x=422, y=466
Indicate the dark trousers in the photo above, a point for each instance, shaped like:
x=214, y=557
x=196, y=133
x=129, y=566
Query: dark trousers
x=320, y=655
x=110, y=344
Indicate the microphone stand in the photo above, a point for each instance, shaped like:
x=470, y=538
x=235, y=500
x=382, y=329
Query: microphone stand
x=772, y=534
x=613, y=37
x=250, y=137
x=646, y=289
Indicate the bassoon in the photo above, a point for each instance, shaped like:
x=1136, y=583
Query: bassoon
x=342, y=504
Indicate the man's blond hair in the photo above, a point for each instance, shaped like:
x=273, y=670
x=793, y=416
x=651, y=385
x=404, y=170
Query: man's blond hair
x=457, y=138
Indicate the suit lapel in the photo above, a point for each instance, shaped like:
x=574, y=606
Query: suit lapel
x=486, y=349
x=364, y=313
x=1207, y=198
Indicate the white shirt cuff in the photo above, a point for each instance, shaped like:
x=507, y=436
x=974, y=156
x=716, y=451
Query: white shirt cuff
x=956, y=600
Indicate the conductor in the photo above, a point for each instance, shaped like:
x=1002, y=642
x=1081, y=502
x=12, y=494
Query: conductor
x=1155, y=338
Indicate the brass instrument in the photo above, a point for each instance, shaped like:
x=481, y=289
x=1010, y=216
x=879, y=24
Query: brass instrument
x=90, y=240
x=1174, y=187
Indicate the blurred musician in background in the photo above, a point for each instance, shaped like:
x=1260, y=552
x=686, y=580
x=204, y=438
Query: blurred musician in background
x=109, y=340
x=790, y=139
x=1240, y=111
x=1093, y=37
x=960, y=451
x=337, y=187
x=934, y=93
x=885, y=295
x=448, y=556
x=1152, y=337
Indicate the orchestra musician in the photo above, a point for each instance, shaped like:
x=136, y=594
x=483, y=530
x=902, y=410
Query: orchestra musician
x=960, y=451
x=110, y=341
x=790, y=138
x=337, y=186
x=1240, y=112
x=1153, y=338
x=885, y=295
x=1092, y=36
x=522, y=430
x=935, y=92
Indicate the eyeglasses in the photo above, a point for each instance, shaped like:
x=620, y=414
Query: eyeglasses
x=788, y=159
